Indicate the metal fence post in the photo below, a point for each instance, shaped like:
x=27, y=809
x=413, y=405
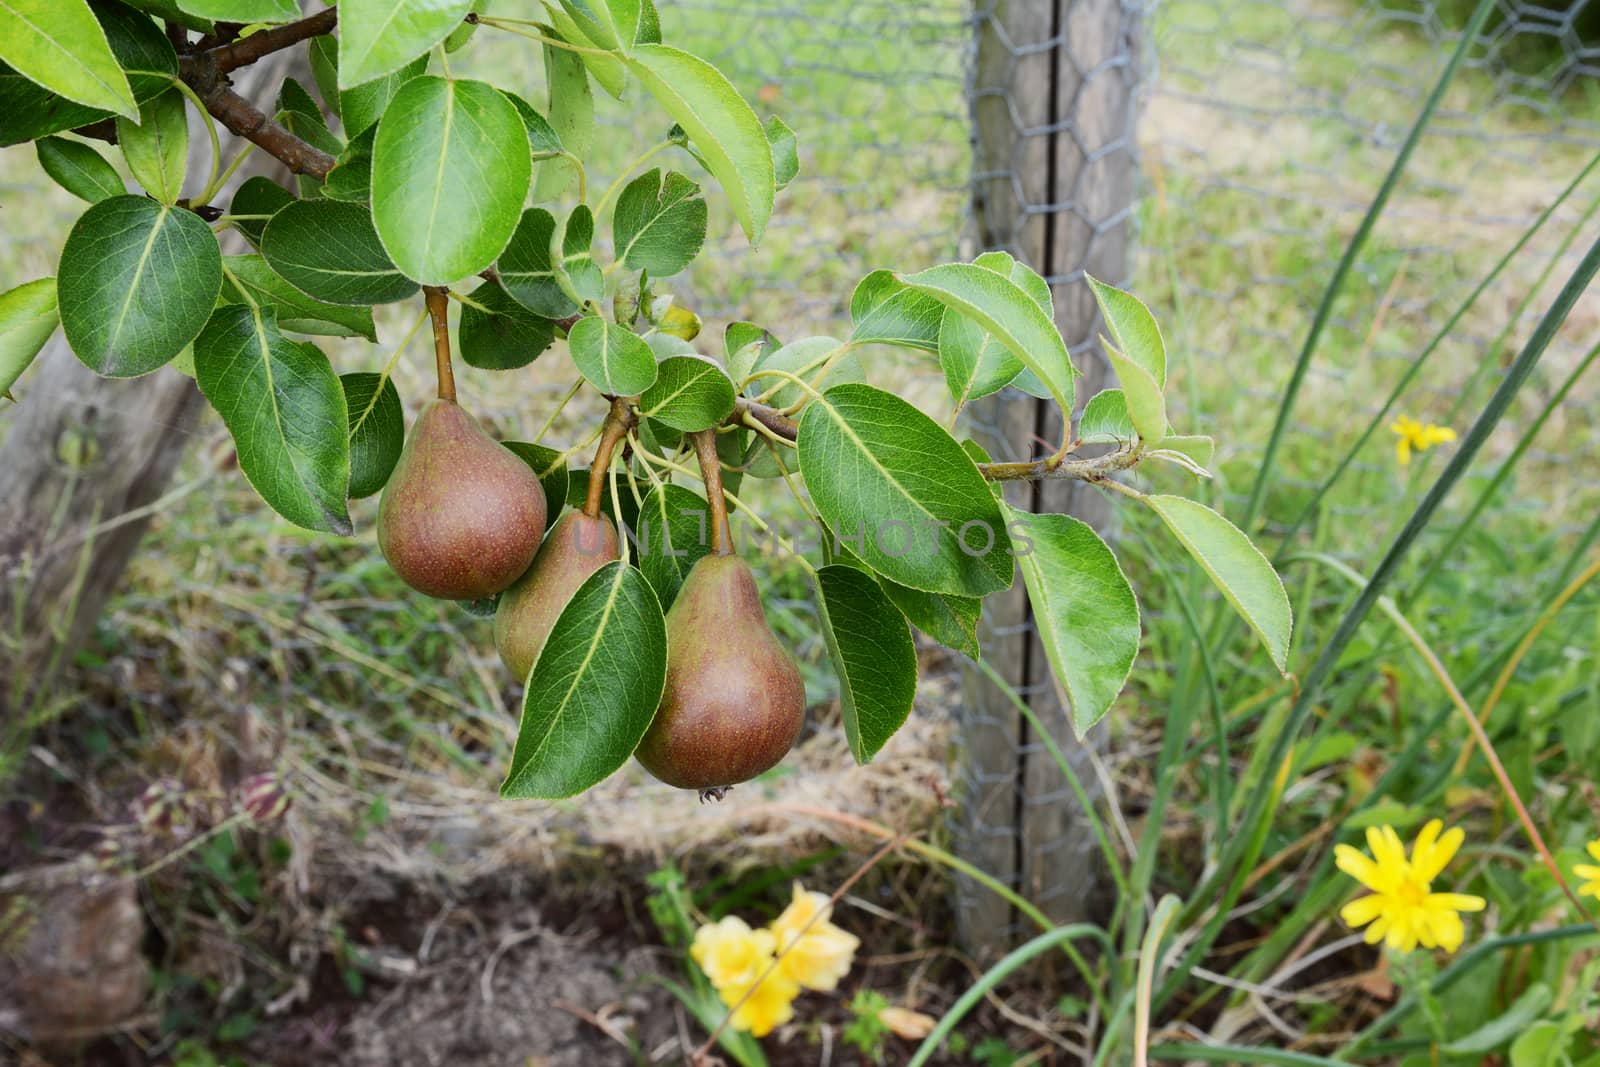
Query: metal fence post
x=1053, y=95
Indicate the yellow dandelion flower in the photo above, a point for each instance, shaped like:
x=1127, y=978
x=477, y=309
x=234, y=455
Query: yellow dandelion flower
x=1402, y=909
x=768, y=1007
x=731, y=953
x=1590, y=874
x=818, y=955
x=1412, y=434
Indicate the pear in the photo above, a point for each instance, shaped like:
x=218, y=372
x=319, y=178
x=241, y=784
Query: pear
x=461, y=516
x=734, y=700
x=578, y=546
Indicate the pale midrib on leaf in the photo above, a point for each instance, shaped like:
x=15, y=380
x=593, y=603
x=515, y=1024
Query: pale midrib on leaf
x=59, y=47
x=133, y=286
x=438, y=178
x=578, y=675
x=862, y=445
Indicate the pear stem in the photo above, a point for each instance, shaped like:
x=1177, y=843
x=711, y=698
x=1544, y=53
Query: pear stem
x=438, y=301
x=705, y=450
x=619, y=420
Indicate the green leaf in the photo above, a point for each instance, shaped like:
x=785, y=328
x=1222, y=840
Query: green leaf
x=377, y=430
x=377, y=37
x=281, y=401
x=351, y=177
x=29, y=111
x=571, y=116
x=450, y=170
x=329, y=249
x=976, y=364
x=893, y=484
x=607, y=70
x=1133, y=329
x=527, y=267
x=59, y=45
x=258, y=196
x=27, y=319
x=785, y=151
x=611, y=358
x=79, y=169
x=673, y=534
x=258, y=283
x=1004, y=308
x=577, y=260
x=594, y=688
x=804, y=358
x=1237, y=567
x=659, y=224
x=1540, y=1045
x=543, y=141
x=1105, y=419
x=609, y=24
x=157, y=146
x=361, y=106
x=504, y=337
x=169, y=9
x=1198, y=449
x=137, y=282
x=1147, y=408
x=1513, y=1021
x=323, y=53
x=871, y=648
x=551, y=468
x=690, y=393
x=1083, y=607
x=728, y=134
x=885, y=310
x=745, y=341
x=243, y=10
x=300, y=114
x=949, y=619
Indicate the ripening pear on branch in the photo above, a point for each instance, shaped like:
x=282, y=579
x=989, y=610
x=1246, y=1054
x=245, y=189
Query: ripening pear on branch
x=578, y=545
x=462, y=516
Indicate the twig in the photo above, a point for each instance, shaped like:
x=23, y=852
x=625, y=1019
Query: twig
x=619, y=420
x=245, y=120
x=247, y=50
x=705, y=451
x=438, y=301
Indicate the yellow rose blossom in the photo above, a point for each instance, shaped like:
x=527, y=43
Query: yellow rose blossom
x=1402, y=909
x=767, y=1008
x=731, y=953
x=818, y=955
x=1590, y=874
x=1415, y=435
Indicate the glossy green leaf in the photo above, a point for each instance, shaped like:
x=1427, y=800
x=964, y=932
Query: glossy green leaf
x=503, y=337
x=29, y=111
x=594, y=689
x=282, y=402
x=323, y=53
x=1147, y=408
x=528, y=270
x=976, y=363
x=611, y=358
x=671, y=534
x=543, y=141
x=659, y=224
x=361, y=106
x=577, y=252
x=169, y=10
x=79, y=169
x=1198, y=449
x=377, y=37
x=251, y=280
x=949, y=619
x=28, y=317
x=1236, y=566
x=1133, y=329
x=299, y=113
x=1105, y=419
x=1004, y=308
x=896, y=487
x=59, y=45
x=690, y=393
x=137, y=282
x=157, y=146
x=377, y=430
x=804, y=359
x=351, y=177
x=885, y=310
x=551, y=468
x=329, y=250
x=571, y=117
x=721, y=125
x=785, y=151
x=1083, y=608
x=606, y=70
x=450, y=170
x=243, y=10
x=610, y=24
x=872, y=652
x=256, y=197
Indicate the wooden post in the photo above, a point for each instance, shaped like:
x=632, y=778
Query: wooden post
x=1053, y=99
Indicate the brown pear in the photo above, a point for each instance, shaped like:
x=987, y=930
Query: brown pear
x=734, y=700
x=578, y=546
x=462, y=516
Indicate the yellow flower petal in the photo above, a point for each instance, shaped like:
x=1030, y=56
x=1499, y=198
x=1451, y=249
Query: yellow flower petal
x=1455, y=902
x=1593, y=848
x=1362, y=910
x=730, y=952
x=1433, y=852
x=768, y=1007
x=1358, y=867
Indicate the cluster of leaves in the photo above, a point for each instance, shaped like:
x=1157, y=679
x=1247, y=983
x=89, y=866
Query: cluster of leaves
x=410, y=179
